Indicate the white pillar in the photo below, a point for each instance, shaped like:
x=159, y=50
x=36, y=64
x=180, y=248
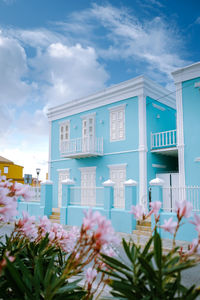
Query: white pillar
x=142, y=147
x=180, y=134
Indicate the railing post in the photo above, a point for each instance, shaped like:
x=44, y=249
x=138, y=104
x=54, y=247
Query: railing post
x=156, y=189
x=130, y=193
x=46, y=197
x=108, y=197
x=66, y=185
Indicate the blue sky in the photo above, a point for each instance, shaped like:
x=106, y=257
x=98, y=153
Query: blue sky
x=53, y=51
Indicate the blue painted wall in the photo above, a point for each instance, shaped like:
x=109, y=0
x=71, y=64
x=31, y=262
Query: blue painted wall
x=191, y=124
x=112, y=150
x=165, y=122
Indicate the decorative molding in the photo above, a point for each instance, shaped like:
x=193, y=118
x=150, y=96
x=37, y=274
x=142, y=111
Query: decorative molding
x=68, y=181
x=49, y=162
x=47, y=182
x=86, y=116
x=117, y=166
x=117, y=107
x=186, y=73
x=143, y=150
x=125, y=90
x=63, y=170
x=130, y=182
x=108, y=182
x=158, y=107
x=180, y=134
x=156, y=182
x=87, y=169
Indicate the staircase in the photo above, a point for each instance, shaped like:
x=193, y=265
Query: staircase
x=143, y=227
x=55, y=217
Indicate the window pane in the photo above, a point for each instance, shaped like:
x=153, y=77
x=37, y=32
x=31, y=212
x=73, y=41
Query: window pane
x=5, y=170
x=61, y=136
x=61, y=128
x=66, y=128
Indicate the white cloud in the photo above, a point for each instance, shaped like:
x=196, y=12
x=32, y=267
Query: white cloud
x=197, y=20
x=13, y=89
x=69, y=72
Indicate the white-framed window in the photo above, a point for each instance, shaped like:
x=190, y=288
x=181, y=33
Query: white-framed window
x=64, y=134
x=88, y=132
x=5, y=170
x=117, y=123
x=63, y=174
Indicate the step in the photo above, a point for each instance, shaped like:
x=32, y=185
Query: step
x=54, y=220
x=140, y=232
x=144, y=223
x=54, y=217
x=56, y=214
x=143, y=228
x=56, y=210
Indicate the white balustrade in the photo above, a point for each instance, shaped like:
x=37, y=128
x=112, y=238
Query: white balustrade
x=88, y=145
x=163, y=139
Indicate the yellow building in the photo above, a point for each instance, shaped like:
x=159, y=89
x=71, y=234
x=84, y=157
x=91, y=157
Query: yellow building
x=11, y=170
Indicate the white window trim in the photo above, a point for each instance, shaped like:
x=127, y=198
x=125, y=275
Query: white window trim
x=6, y=169
x=117, y=109
x=64, y=123
x=91, y=115
x=117, y=166
x=88, y=169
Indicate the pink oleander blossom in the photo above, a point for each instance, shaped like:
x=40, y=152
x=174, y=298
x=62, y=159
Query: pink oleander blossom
x=183, y=209
x=90, y=275
x=8, y=209
x=155, y=206
x=44, y=225
x=169, y=225
x=105, y=233
x=194, y=248
x=26, y=226
x=138, y=212
x=196, y=222
x=91, y=219
x=23, y=190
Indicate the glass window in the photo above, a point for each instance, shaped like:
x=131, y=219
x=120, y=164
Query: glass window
x=117, y=124
x=5, y=170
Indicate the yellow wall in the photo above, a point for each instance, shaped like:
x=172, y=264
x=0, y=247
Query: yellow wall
x=15, y=172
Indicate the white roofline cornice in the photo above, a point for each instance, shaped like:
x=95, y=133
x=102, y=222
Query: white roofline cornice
x=127, y=89
x=187, y=73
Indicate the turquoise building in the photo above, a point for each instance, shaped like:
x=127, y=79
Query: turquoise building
x=125, y=133
x=131, y=143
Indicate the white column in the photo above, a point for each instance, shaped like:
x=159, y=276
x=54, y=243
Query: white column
x=142, y=147
x=49, y=162
x=180, y=134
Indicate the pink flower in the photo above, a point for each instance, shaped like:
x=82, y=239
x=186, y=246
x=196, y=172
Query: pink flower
x=91, y=218
x=90, y=275
x=108, y=251
x=8, y=209
x=26, y=226
x=44, y=225
x=194, y=248
x=169, y=225
x=156, y=206
x=23, y=190
x=138, y=212
x=183, y=209
x=105, y=233
x=196, y=222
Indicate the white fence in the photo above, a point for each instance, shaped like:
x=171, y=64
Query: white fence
x=36, y=193
x=173, y=194
x=163, y=139
x=82, y=145
x=87, y=196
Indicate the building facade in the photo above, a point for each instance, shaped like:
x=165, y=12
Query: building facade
x=11, y=170
x=127, y=131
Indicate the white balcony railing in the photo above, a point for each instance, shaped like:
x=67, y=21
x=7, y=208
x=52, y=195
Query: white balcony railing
x=163, y=139
x=82, y=147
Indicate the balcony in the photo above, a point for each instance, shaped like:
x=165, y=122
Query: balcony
x=82, y=147
x=164, y=142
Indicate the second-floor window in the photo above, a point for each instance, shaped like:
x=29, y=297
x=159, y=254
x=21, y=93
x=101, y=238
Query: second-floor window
x=64, y=133
x=117, y=123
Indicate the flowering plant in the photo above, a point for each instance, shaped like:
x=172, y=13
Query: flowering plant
x=151, y=272
x=43, y=261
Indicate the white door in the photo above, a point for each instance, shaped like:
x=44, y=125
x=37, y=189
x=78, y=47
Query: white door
x=62, y=175
x=170, y=189
x=88, y=134
x=118, y=176
x=88, y=186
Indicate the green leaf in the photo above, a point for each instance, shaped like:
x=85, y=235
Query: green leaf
x=158, y=250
